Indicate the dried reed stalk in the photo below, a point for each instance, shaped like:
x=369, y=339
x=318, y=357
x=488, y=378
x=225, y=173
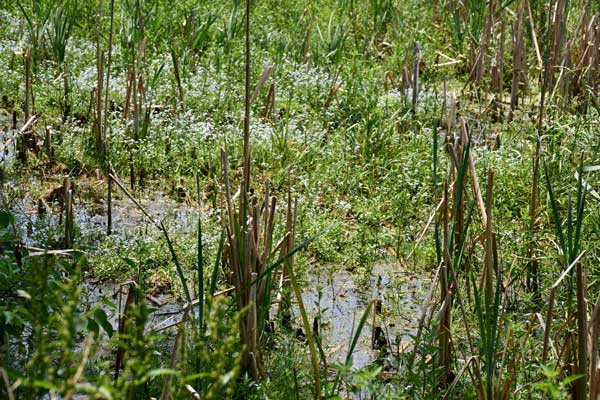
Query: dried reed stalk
x=517, y=50
x=551, y=300
x=445, y=317
x=476, y=74
x=269, y=108
x=68, y=207
x=123, y=318
x=595, y=333
x=99, y=83
x=166, y=389
x=417, y=61
x=489, y=265
x=105, y=136
x=582, y=334
x=267, y=70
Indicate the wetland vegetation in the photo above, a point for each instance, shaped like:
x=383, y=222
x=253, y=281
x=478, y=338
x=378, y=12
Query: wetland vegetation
x=337, y=199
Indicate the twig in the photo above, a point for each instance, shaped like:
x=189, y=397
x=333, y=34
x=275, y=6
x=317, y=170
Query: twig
x=84, y=359
x=22, y=130
x=9, y=388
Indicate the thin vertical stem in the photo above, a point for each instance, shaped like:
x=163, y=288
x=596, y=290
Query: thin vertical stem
x=28, y=84
x=582, y=334
x=104, y=128
x=200, y=259
x=489, y=252
x=533, y=280
x=67, y=208
x=247, y=103
x=415, y=94
x=100, y=77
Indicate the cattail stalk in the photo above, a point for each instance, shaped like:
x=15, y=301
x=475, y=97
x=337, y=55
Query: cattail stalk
x=106, y=138
x=415, y=93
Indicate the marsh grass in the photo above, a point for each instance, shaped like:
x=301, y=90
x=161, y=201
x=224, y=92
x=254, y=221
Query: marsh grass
x=386, y=168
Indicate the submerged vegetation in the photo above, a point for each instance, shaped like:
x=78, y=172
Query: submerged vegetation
x=311, y=199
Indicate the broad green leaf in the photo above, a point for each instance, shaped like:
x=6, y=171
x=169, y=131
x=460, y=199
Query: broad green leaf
x=100, y=317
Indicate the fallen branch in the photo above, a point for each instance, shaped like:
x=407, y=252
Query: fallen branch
x=22, y=130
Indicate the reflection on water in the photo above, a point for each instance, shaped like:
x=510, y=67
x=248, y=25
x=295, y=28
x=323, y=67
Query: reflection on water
x=341, y=302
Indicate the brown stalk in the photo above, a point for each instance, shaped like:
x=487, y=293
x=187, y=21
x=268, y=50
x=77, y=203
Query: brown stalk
x=425, y=229
x=261, y=82
x=502, y=390
x=67, y=200
x=551, y=300
x=128, y=89
x=87, y=347
x=123, y=318
x=306, y=45
x=255, y=248
x=595, y=323
x=21, y=131
x=456, y=380
x=417, y=61
x=532, y=267
x=497, y=71
x=166, y=389
x=406, y=80
x=543, y=326
x=582, y=335
x=286, y=245
x=477, y=70
x=247, y=102
x=269, y=226
x=116, y=180
x=473, y=172
x=489, y=251
x=595, y=59
x=28, y=88
x=9, y=388
x=253, y=328
x=470, y=340
x=333, y=89
x=458, y=213
x=427, y=304
x=445, y=317
x=104, y=128
x=538, y=55
x=99, y=83
x=177, y=73
x=231, y=228
x=558, y=33
x=582, y=54
x=269, y=108
x=517, y=61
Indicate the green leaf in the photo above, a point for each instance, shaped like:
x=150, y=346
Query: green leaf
x=572, y=378
x=92, y=326
x=43, y=384
x=8, y=317
x=100, y=317
x=5, y=219
x=160, y=371
x=108, y=303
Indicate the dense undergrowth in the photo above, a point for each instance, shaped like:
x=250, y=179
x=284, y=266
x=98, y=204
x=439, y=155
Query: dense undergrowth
x=457, y=140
